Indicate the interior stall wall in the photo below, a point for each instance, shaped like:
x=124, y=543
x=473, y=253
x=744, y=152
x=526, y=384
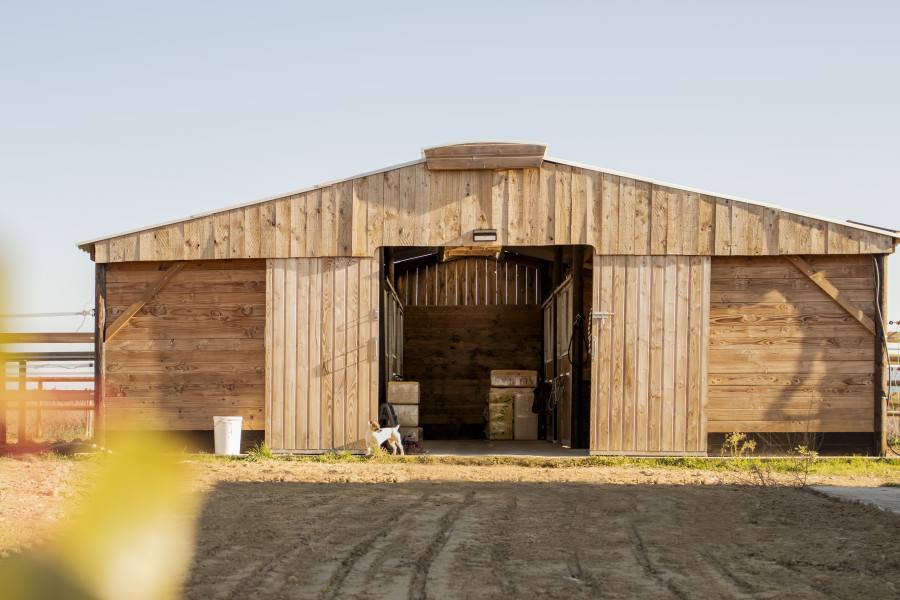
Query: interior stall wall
x=784, y=356
x=649, y=391
x=322, y=352
x=462, y=319
x=563, y=326
x=195, y=350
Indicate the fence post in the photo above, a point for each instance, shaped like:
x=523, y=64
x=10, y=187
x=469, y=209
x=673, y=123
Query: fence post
x=3, y=394
x=99, y=428
x=40, y=401
x=23, y=369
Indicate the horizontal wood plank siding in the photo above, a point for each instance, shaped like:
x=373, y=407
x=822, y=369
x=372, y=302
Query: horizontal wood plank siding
x=450, y=351
x=553, y=204
x=649, y=392
x=194, y=351
x=323, y=353
x=784, y=356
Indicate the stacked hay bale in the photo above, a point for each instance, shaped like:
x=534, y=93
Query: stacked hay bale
x=404, y=397
x=510, y=398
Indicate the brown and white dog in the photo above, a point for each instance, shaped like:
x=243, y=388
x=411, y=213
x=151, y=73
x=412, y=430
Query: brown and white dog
x=378, y=435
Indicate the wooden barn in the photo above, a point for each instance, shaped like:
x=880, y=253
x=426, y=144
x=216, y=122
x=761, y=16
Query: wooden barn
x=661, y=317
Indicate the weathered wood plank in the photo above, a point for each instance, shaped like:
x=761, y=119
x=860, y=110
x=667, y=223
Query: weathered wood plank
x=391, y=211
x=344, y=206
x=626, y=216
x=659, y=220
x=298, y=226
x=580, y=189
x=251, y=232
x=562, y=217
x=515, y=211
x=667, y=441
x=267, y=229
x=619, y=331
x=273, y=435
x=359, y=218
x=283, y=228
x=289, y=349
x=682, y=310
x=374, y=212
x=328, y=222
x=500, y=205
x=328, y=352
x=610, y=214
x=302, y=366
x=690, y=223
x=339, y=389
x=723, y=227
x=642, y=364
x=674, y=231
x=642, y=217
x=547, y=206
x=352, y=433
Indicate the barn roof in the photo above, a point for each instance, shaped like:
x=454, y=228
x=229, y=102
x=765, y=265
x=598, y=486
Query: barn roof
x=512, y=187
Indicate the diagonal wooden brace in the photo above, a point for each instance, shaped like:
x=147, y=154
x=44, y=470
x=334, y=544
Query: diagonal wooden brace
x=132, y=310
x=855, y=311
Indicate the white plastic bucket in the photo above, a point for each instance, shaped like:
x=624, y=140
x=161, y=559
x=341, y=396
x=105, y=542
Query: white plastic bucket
x=228, y=434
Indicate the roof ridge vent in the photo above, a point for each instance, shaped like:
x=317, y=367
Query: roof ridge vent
x=484, y=155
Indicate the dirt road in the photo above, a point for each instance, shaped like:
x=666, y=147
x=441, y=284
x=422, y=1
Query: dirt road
x=311, y=530
x=505, y=532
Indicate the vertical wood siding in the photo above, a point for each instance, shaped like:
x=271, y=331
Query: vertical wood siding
x=322, y=352
x=648, y=392
x=555, y=204
x=194, y=351
x=784, y=356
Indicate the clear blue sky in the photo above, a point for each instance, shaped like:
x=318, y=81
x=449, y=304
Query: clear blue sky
x=118, y=115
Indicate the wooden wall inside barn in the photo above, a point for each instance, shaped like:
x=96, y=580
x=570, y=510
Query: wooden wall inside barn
x=322, y=367
x=194, y=351
x=556, y=204
x=464, y=318
x=784, y=356
x=649, y=375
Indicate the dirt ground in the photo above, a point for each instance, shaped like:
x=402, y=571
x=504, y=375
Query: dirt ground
x=275, y=529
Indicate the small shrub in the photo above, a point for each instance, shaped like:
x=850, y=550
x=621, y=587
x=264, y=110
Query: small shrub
x=737, y=445
x=259, y=452
x=804, y=459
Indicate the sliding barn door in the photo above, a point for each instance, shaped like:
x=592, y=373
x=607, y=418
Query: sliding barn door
x=650, y=367
x=321, y=352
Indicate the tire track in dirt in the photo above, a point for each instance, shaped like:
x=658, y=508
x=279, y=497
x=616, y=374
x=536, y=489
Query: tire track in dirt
x=578, y=575
x=725, y=576
x=248, y=510
x=274, y=558
x=423, y=564
x=578, y=524
x=661, y=577
x=500, y=552
x=365, y=548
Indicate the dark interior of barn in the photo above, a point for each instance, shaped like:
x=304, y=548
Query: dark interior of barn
x=454, y=315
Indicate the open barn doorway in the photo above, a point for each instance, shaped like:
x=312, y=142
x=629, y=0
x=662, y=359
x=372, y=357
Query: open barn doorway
x=453, y=315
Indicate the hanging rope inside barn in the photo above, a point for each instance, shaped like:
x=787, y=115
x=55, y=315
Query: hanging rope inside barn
x=557, y=390
x=578, y=332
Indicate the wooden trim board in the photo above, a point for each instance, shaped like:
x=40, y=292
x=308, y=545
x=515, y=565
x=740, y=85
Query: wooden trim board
x=132, y=310
x=834, y=293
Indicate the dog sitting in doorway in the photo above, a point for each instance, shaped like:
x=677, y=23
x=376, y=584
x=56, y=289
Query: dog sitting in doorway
x=377, y=435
